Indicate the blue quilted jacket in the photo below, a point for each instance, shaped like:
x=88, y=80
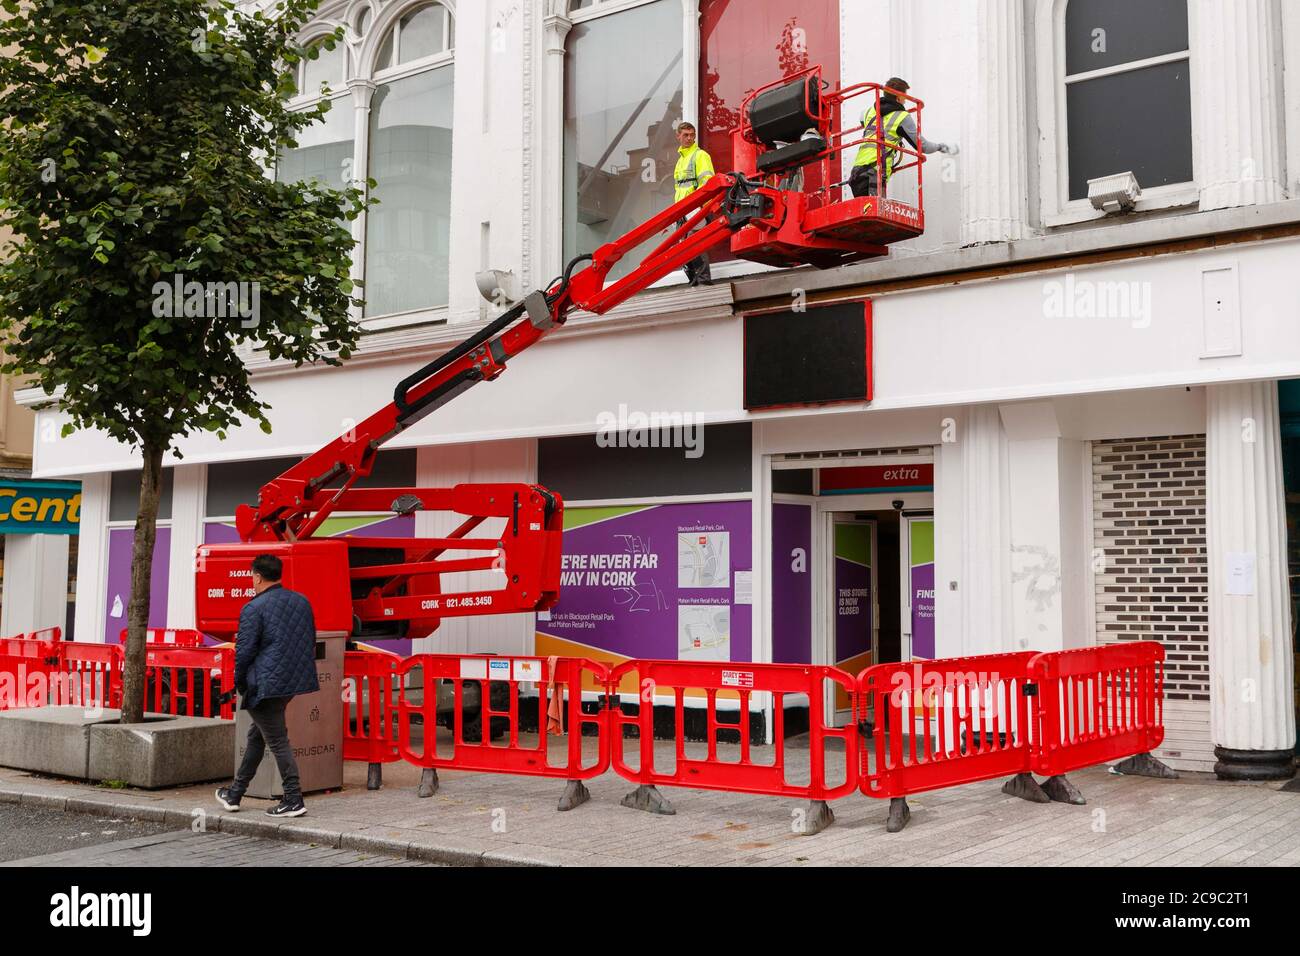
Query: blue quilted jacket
x=275, y=650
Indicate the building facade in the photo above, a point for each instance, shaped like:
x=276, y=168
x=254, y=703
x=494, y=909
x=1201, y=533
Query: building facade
x=1083, y=425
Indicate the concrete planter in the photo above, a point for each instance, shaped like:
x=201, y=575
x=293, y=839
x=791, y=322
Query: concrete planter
x=162, y=751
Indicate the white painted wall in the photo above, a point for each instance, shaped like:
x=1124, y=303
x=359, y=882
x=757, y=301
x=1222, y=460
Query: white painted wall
x=442, y=467
x=92, y=556
x=35, y=583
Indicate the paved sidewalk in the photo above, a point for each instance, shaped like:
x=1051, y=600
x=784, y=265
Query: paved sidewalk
x=497, y=819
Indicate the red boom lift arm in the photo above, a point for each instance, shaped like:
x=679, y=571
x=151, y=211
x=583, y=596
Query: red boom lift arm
x=392, y=586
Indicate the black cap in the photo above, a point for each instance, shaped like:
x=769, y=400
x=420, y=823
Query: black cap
x=897, y=83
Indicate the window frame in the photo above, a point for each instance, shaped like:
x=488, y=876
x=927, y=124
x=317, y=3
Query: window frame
x=360, y=78
x=1055, y=206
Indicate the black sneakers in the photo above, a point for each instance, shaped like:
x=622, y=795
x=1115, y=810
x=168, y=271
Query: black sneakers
x=287, y=808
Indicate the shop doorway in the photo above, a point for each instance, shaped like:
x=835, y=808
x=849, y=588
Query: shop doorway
x=876, y=602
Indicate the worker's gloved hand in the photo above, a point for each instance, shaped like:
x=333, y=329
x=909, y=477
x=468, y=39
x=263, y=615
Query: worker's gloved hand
x=950, y=148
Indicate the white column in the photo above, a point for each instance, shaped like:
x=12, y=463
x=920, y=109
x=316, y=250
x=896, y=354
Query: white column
x=550, y=134
x=189, y=502
x=363, y=92
x=92, y=557
x=985, y=571
x=1237, y=102
x=1291, y=94
x=691, y=61
x=1048, y=547
x=996, y=183
x=1252, y=710
x=35, y=583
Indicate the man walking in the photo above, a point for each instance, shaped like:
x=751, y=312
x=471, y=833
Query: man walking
x=275, y=660
x=894, y=124
x=694, y=167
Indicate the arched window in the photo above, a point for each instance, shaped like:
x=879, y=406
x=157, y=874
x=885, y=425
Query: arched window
x=1121, y=100
x=326, y=69
x=424, y=31
x=408, y=51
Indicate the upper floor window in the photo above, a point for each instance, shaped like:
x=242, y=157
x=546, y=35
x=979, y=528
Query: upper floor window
x=408, y=49
x=424, y=31
x=326, y=69
x=1119, y=101
x=622, y=102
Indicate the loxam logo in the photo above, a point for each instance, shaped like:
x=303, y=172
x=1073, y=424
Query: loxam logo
x=76, y=909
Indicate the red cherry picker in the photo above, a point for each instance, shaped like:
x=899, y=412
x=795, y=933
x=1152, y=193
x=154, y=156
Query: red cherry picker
x=392, y=587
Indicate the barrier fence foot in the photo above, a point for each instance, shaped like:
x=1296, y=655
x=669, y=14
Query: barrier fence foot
x=375, y=776
x=1024, y=786
x=649, y=799
x=428, y=783
x=818, y=818
x=1144, y=765
x=1060, y=789
x=899, y=814
x=575, y=795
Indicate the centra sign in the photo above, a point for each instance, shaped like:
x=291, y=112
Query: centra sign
x=39, y=507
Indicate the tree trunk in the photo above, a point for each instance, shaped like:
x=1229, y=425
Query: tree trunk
x=137, y=614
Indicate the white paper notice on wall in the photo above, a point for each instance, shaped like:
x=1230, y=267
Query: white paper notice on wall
x=744, y=587
x=1241, y=572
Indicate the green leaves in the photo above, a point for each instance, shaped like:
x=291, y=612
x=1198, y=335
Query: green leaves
x=124, y=176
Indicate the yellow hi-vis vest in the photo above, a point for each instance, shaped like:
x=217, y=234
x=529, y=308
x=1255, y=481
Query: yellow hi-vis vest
x=694, y=166
x=888, y=130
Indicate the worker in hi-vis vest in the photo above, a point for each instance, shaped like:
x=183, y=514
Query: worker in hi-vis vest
x=694, y=167
x=895, y=124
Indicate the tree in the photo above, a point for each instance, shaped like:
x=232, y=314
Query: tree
x=149, y=241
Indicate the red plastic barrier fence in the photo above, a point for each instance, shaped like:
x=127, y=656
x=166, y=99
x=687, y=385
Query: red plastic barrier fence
x=370, y=706
x=26, y=665
x=1097, y=704
x=179, y=636
x=189, y=681
x=25, y=646
x=87, y=675
x=945, y=722
x=24, y=681
x=742, y=774
x=447, y=685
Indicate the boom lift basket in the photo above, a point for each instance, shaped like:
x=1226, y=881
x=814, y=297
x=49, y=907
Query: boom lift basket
x=790, y=125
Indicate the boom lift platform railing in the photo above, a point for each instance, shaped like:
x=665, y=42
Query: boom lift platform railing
x=791, y=126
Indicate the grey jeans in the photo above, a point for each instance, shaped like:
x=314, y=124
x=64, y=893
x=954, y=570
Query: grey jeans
x=269, y=730
x=862, y=181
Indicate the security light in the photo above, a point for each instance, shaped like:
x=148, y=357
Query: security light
x=1118, y=192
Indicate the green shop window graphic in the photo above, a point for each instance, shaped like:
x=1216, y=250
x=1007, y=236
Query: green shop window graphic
x=40, y=507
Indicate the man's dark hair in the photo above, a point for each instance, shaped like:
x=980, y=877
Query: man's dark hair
x=897, y=83
x=268, y=567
